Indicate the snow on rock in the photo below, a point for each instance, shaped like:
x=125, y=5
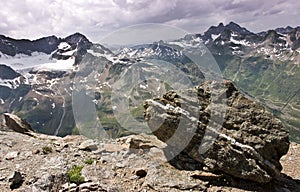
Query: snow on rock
x=242, y=42
x=108, y=56
x=214, y=37
x=64, y=46
x=11, y=83
x=69, y=53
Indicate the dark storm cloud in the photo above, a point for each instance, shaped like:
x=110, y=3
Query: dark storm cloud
x=36, y=18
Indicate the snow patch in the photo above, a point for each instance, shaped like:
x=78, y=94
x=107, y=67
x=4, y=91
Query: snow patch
x=241, y=42
x=59, y=65
x=214, y=37
x=64, y=46
x=11, y=83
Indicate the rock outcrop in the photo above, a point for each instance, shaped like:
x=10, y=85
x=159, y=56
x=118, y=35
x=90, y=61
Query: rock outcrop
x=221, y=129
x=17, y=124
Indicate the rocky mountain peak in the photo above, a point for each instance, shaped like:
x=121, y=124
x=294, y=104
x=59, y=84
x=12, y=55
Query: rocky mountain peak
x=294, y=37
x=220, y=25
x=226, y=30
x=273, y=37
x=284, y=30
x=47, y=45
x=77, y=38
x=237, y=28
x=213, y=30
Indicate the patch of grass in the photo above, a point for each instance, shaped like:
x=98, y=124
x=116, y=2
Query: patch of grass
x=89, y=161
x=74, y=174
x=47, y=149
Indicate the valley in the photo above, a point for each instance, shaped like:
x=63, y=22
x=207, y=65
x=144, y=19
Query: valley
x=70, y=85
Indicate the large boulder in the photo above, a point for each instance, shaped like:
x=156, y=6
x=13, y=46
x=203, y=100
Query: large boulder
x=220, y=128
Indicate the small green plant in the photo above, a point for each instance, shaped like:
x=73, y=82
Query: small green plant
x=74, y=174
x=89, y=161
x=47, y=149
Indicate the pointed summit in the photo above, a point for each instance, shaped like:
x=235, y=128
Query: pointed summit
x=213, y=30
x=77, y=38
x=237, y=28
x=221, y=25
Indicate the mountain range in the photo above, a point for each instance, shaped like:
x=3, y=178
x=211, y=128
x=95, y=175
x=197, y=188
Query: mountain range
x=39, y=79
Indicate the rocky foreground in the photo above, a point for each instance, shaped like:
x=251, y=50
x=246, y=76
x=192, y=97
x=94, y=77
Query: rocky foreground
x=134, y=163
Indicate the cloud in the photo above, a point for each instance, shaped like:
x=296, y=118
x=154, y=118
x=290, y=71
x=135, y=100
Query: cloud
x=37, y=18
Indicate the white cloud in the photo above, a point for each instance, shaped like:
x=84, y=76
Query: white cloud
x=37, y=18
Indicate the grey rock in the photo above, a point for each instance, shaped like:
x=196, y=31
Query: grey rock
x=45, y=183
x=17, y=124
x=91, y=186
x=143, y=141
x=88, y=145
x=68, y=187
x=245, y=142
x=11, y=155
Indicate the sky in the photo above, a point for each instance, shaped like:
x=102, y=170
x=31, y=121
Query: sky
x=32, y=19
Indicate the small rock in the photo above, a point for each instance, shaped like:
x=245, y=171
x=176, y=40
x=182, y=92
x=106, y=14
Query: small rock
x=91, y=186
x=88, y=145
x=37, y=151
x=134, y=177
x=44, y=183
x=15, y=180
x=27, y=154
x=68, y=186
x=11, y=155
x=113, y=148
x=144, y=141
x=10, y=143
x=120, y=165
x=98, y=151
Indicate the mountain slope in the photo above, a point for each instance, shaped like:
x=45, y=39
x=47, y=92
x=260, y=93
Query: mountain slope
x=47, y=71
x=265, y=65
